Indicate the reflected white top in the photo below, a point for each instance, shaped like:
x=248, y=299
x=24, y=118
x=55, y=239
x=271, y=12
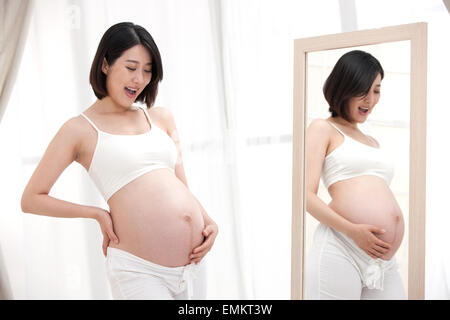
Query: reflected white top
x=352, y=159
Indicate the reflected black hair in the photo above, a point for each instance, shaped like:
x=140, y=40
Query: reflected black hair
x=117, y=39
x=352, y=76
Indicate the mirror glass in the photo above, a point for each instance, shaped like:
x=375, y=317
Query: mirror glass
x=388, y=124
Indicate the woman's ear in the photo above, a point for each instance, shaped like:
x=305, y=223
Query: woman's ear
x=105, y=66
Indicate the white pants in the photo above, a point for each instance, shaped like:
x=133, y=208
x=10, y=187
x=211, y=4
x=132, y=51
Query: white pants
x=336, y=268
x=132, y=277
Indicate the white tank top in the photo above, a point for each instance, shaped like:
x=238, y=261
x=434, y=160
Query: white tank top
x=352, y=159
x=119, y=159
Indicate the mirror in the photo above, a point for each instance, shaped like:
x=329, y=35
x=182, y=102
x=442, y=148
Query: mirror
x=388, y=123
x=398, y=123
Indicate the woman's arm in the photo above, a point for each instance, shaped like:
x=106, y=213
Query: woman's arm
x=317, y=142
x=61, y=152
x=211, y=229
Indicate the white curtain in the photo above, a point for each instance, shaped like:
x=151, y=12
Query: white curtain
x=228, y=81
x=14, y=20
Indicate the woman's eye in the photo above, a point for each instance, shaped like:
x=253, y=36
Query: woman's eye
x=131, y=69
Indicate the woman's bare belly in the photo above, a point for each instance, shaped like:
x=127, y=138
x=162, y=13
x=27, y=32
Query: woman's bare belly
x=368, y=200
x=157, y=218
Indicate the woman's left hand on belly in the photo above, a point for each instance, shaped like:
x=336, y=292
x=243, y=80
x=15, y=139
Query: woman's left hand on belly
x=210, y=233
x=364, y=236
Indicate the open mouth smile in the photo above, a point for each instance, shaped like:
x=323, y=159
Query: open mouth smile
x=363, y=110
x=130, y=92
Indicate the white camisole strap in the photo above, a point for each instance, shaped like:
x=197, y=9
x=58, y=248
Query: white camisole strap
x=97, y=129
x=334, y=126
x=148, y=117
x=89, y=120
x=340, y=131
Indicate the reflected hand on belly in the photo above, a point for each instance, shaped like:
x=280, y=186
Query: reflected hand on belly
x=369, y=204
x=364, y=237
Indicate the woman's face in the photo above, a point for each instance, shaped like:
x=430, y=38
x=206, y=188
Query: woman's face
x=127, y=77
x=361, y=107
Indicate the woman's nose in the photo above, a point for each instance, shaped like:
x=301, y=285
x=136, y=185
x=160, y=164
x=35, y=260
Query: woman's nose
x=369, y=98
x=138, y=77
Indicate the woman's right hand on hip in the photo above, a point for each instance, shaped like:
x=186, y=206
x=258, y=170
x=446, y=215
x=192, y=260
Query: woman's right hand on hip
x=364, y=237
x=106, y=225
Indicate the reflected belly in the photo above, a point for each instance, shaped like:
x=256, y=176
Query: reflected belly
x=157, y=218
x=368, y=200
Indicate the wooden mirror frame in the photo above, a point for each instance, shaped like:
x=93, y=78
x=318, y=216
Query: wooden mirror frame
x=416, y=33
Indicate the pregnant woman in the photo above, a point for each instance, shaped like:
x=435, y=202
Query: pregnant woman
x=352, y=256
x=156, y=233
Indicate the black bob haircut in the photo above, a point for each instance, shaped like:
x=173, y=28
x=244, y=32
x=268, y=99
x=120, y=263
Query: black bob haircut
x=117, y=39
x=352, y=76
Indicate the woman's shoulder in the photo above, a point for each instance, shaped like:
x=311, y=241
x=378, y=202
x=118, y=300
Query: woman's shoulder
x=320, y=125
x=319, y=132
x=73, y=125
x=160, y=112
x=162, y=116
x=76, y=130
x=69, y=135
x=78, y=125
